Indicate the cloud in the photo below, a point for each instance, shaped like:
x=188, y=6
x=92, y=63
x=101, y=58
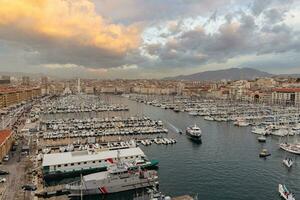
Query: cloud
x=66, y=31
x=128, y=11
x=144, y=38
x=58, y=66
x=258, y=6
x=126, y=67
x=238, y=33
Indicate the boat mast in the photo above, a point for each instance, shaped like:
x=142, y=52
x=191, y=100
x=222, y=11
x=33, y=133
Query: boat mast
x=81, y=184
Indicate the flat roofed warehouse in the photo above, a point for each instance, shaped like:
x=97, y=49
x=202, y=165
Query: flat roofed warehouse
x=85, y=156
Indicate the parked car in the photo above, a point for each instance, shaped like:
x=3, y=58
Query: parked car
x=29, y=187
x=2, y=172
x=2, y=180
x=6, y=158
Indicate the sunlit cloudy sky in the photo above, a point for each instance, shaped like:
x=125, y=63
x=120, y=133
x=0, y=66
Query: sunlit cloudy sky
x=148, y=38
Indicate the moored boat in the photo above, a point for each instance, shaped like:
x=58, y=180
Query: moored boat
x=264, y=153
x=209, y=118
x=292, y=148
x=262, y=138
x=259, y=130
x=118, y=178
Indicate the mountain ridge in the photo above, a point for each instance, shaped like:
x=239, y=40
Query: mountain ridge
x=227, y=74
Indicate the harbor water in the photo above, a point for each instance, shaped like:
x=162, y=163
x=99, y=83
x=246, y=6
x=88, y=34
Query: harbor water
x=225, y=166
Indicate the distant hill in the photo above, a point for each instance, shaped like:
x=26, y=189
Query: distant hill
x=20, y=74
x=228, y=74
x=288, y=75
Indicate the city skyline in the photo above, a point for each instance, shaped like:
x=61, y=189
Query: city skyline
x=148, y=39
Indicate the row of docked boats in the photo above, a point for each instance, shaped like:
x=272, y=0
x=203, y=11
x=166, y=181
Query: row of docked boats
x=78, y=146
x=53, y=129
x=99, y=133
x=158, y=140
x=241, y=114
x=280, y=131
x=98, y=123
x=78, y=104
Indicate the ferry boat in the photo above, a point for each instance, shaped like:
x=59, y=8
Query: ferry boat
x=194, y=132
x=117, y=178
x=72, y=164
x=285, y=193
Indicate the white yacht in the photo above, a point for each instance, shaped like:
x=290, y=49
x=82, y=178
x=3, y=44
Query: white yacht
x=194, y=132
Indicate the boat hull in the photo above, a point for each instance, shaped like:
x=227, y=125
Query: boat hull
x=264, y=155
x=289, y=149
x=58, y=175
x=194, y=137
x=105, y=190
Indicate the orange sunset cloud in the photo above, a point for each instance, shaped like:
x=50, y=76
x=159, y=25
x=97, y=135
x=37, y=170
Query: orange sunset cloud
x=75, y=21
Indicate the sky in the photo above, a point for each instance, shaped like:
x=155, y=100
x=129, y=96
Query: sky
x=108, y=39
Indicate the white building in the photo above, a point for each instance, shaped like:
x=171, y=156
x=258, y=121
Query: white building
x=290, y=96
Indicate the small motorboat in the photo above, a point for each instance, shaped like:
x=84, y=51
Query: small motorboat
x=264, y=153
x=285, y=193
x=262, y=139
x=288, y=162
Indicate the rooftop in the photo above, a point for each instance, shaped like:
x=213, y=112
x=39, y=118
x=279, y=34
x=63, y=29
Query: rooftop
x=84, y=156
x=286, y=89
x=4, y=134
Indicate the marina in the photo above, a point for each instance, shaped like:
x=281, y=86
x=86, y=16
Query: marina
x=149, y=100
x=264, y=119
x=227, y=150
x=95, y=153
